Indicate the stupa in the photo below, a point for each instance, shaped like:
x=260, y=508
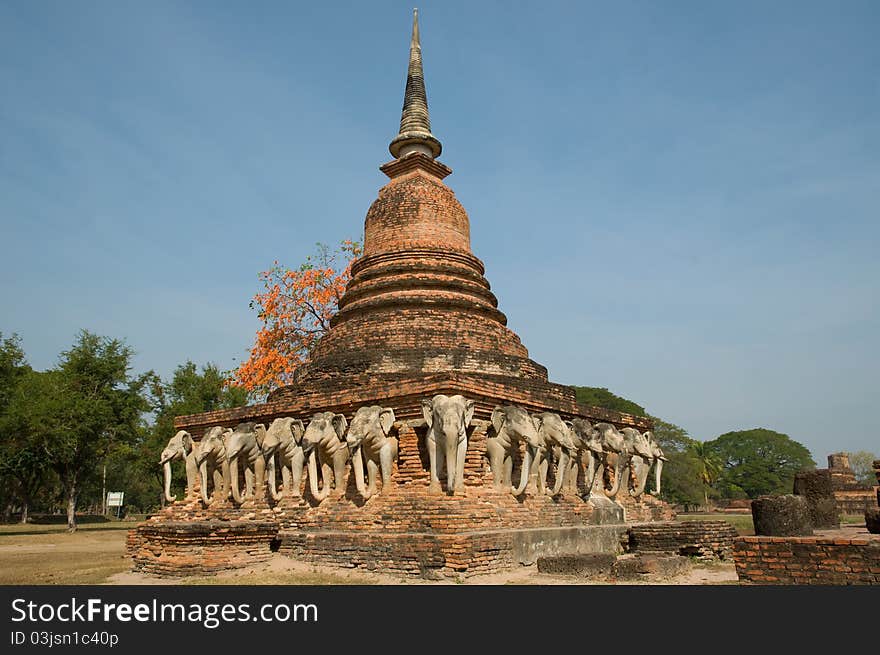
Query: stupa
x=417, y=319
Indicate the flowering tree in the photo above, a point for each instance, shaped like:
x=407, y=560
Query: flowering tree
x=295, y=307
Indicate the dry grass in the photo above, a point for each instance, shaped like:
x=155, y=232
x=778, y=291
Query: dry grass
x=52, y=556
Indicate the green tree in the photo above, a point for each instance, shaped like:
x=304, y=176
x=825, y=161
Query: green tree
x=758, y=461
x=680, y=474
x=601, y=397
x=22, y=464
x=80, y=409
x=708, y=466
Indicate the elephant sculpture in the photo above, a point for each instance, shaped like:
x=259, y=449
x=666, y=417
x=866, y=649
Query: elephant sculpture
x=370, y=442
x=448, y=418
x=560, y=440
x=613, y=444
x=181, y=446
x=512, y=425
x=283, y=441
x=646, y=454
x=212, y=464
x=590, y=449
x=244, y=448
x=324, y=443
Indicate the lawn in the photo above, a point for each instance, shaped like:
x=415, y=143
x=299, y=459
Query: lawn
x=48, y=554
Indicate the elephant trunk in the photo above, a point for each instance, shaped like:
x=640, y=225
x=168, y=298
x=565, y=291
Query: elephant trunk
x=451, y=464
x=618, y=474
x=273, y=489
x=203, y=482
x=357, y=464
x=524, y=474
x=642, y=473
x=589, y=473
x=233, y=473
x=319, y=494
x=561, y=468
x=166, y=470
x=658, y=470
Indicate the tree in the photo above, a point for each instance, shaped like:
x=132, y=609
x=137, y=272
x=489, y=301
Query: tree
x=758, y=461
x=708, y=466
x=295, y=308
x=601, y=397
x=862, y=464
x=22, y=466
x=80, y=409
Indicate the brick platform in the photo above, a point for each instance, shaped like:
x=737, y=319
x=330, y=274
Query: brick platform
x=821, y=560
x=180, y=548
x=407, y=528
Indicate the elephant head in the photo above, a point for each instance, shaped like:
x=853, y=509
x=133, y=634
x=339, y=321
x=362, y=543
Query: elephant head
x=243, y=447
x=211, y=459
x=591, y=446
x=324, y=438
x=560, y=435
x=371, y=427
x=283, y=441
x=180, y=446
x=646, y=453
x=513, y=424
x=613, y=443
x=448, y=418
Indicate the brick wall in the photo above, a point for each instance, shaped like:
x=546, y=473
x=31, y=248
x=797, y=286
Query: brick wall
x=707, y=540
x=178, y=548
x=807, y=560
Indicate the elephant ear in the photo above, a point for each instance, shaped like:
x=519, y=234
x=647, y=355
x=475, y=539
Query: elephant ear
x=428, y=410
x=386, y=419
x=538, y=420
x=186, y=441
x=498, y=417
x=469, y=407
x=260, y=434
x=297, y=430
x=340, y=425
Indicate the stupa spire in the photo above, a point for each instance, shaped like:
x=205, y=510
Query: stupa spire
x=415, y=124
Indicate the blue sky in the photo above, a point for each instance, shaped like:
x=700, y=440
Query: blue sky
x=677, y=201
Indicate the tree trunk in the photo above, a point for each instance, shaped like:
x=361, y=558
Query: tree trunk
x=24, y=511
x=71, y=504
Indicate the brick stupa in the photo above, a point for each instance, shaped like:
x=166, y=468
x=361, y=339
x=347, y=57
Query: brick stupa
x=418, y=316
x=417, y=319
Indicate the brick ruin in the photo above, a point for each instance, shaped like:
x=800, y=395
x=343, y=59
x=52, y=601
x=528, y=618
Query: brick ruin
x=851, y=497
x=417, y=319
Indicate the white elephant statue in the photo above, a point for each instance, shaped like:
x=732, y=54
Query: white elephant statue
x=244, y=448
x=212, y=464
x=180, y=447
x=561, y=442
x=324, y=443
x=283, y=442
x=448, y=418
x=615, y=446
x=512, y=425
x=370, y=441
x=590, y=449
x=646, y=454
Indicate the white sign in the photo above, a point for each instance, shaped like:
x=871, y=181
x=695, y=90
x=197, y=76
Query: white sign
x=114, y=498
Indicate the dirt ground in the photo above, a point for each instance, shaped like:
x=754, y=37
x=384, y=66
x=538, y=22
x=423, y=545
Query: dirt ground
x=97, y=556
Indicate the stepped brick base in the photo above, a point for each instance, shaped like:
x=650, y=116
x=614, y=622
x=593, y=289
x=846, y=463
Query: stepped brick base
x=408, y=527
